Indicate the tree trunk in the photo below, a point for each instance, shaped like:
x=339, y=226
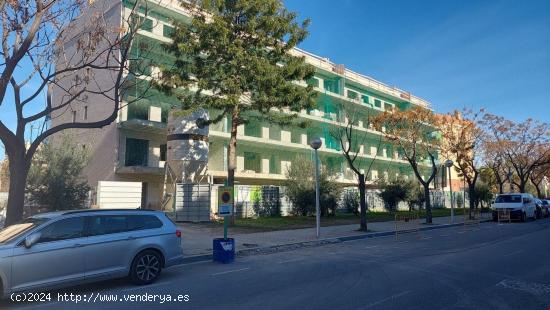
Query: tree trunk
x=501, y=188
x=427, y=203
x=521, y=186
x=232, y=159
x=362, y=202
x=471, y=193
x=19, y=169
x=539, y=192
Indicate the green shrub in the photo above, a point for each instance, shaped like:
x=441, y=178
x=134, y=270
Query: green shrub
x=300, y=189
x=351, y=201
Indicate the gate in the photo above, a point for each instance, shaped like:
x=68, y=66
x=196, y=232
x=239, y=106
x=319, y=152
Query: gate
x=192, y=202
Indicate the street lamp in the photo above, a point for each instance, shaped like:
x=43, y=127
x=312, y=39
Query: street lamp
x=315, y=144
x=449, y=164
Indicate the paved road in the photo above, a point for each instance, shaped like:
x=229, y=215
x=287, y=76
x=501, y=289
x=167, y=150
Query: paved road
x=491, y=267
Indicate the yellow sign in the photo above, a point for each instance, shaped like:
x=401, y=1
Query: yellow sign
x=225, y=200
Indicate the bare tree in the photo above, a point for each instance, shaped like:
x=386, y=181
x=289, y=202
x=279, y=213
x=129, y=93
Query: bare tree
x=57, y=46
x=523, y=145
x=537, y=176
x=462, y=141
x=350, y=139
x=413, y=131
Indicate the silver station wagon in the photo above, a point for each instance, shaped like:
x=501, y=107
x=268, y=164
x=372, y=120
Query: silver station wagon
x=58, y=249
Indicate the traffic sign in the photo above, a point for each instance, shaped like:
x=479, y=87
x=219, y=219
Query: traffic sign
x=225, y=200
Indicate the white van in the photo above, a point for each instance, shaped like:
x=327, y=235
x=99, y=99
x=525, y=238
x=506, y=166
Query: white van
x=520, y=205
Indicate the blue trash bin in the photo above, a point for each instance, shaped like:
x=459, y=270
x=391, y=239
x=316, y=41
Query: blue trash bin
x=224, y=250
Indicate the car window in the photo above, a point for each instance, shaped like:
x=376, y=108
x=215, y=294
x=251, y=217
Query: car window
x=140, y=222
x=508, y=199
x=11, y=232
x=107, y=224
x=63, y=230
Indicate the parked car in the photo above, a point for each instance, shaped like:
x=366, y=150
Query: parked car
x=58, y=249
x=520, y=206
x=546, y=207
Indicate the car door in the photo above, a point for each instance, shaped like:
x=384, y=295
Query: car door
x=56, y=258
x=109, y=247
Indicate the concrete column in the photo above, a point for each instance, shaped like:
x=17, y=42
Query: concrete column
x=265, y=132
x=240, y=163
x=265, y=165
x=240, y=130
x=361, y=149
x=123, y=113
x=373, y=150
x=304, y=139
x=155, y=114
x=154, y=156
x=285, y=136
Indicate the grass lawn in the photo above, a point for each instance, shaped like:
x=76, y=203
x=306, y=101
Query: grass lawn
x=296, y=222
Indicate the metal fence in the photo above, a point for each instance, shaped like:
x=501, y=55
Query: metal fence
x=192, y=202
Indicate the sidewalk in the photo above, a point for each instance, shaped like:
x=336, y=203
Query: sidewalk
x=197, y=238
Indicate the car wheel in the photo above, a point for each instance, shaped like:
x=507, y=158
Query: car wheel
x=146, y=267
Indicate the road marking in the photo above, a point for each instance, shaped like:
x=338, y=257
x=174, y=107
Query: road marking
x=291, y=261
x=371, y=247
x=445, y=235
x=381, y=301
x=402, y=242
x=229, y=271
x=529, y=287
x=463, y=232
x=513, y=253
x=426, y=238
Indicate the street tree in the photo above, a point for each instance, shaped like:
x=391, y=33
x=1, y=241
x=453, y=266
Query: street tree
x=51, y=46
x=462, y=140
x=414, y=133
x=55, y=177
x=236, y=57
x=351, y=139
x=524, y=146
x=537, y=178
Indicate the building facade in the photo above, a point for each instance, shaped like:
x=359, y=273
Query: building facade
x=134, y=148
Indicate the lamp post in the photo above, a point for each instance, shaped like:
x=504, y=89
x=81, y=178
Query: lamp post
x=449, y=164
x=315, y=144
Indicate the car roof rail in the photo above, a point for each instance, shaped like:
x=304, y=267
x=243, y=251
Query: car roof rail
x=106, y=210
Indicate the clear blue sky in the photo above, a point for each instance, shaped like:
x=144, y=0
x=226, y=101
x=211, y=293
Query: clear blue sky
x=455, y=54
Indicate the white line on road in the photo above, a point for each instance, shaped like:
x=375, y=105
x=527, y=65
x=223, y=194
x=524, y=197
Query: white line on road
x=426, y=238
x=371, y=247
x=229, y=271
x=381, y=301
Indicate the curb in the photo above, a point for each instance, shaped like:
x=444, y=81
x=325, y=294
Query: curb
x=311, y=243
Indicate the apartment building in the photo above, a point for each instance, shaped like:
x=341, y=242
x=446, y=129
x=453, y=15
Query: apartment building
x=134, y=148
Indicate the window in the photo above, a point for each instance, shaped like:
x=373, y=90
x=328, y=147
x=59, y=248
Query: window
x=167, y=31
x=252, y=161
x=142, y=222
x=377, y=103
x=313, y=82
x=85, y=112
x=508, y=199
x=137, y=152
x=352, y=94
x=146, y=24
x=62, y=230
x=11, y=232
x=107, y=224
x=365, y=99
x=163, y=152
